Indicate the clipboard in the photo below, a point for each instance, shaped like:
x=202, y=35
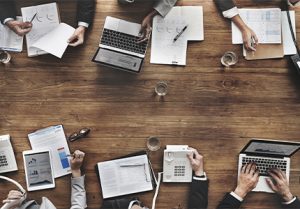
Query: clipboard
x=265, y=51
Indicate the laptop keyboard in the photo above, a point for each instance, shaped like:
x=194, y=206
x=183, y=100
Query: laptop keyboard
x=123, y=41
x=264, y=164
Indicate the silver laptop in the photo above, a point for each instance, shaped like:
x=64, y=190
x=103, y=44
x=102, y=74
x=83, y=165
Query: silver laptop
x=118, y=47
x=268, y=154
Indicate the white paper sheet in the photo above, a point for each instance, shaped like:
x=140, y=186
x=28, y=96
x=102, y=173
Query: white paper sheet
x=117, y=180
x=46, y=20
x=7, y=154
x=265, y=22
x=163, y=49
x=56, y=41
x=53, y=138
x=9, y=40
x=288, y=43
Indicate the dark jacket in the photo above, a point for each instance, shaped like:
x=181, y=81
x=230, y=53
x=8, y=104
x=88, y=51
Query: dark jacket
x=224, y=5
x=230, y=202
x=85, y=10
x=198, y=198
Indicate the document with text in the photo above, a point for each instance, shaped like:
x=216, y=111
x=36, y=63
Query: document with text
x=9, y=40
x=125, y=176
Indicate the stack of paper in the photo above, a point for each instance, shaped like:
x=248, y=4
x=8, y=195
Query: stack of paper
x=47, y=34
x=164, y=50
x=9, y=40
x=53, y=138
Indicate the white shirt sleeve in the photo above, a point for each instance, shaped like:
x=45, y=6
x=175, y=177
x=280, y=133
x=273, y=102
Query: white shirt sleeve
x=84, y=24
x=230, y=13
x=204, y=178
x=236, y=196
x=7, y=19
x=289, y=202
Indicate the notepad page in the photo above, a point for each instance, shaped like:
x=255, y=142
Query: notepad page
x=193, y=16
x=266, y=23
x=46, y=20
x=288, y=43
x=56, y=41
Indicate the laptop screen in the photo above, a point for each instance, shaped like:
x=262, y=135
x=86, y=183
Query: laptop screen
x=277, y=148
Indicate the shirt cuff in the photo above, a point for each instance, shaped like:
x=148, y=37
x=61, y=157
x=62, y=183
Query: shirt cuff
x=7, y=19
x=230, y=13
x=236, y=196
x=289, y=202
x=78, y=181
x=84, y=24
x=131, y=204
x=204, y=178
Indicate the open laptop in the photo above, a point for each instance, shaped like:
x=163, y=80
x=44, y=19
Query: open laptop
x=268, y=154
x=118, y=47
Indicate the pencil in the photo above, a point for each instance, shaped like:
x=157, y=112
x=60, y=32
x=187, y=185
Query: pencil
x=33, y=17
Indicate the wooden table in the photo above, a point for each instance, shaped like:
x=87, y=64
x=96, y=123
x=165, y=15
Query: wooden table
x=214, y=110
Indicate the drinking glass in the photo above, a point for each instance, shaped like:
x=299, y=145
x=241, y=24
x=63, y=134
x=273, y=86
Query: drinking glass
x=161, y=88
x=153, y=143
x=5, y=57
x=229, y=58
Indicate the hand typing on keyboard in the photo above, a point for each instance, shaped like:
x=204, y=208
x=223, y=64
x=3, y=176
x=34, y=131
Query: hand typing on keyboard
x=146, y=27
x=247, y=180
x=280, y=184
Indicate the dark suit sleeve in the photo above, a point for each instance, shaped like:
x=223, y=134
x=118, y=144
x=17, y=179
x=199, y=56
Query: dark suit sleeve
x=229, y=202
x=224, y=5
x=7, y=9
x=198, y=197
x=295, y=204
x=85, y=11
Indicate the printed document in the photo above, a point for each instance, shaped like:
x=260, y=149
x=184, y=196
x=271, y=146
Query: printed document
x=47, y=34
x=53, y=138
x=125, y=176
x=164, y=50
x=266, y=23
x=7, y=157
x=9, y=40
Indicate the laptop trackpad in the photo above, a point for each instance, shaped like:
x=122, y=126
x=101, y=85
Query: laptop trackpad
x=262, y=185
x=118, y=59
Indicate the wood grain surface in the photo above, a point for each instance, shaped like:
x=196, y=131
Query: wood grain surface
x=213, y=109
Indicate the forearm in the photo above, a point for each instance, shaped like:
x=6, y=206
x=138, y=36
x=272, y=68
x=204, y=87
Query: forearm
x=237, y=20
x=78, y=193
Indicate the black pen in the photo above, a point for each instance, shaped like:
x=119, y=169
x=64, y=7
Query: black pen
x=33, y=17
x=179, y=34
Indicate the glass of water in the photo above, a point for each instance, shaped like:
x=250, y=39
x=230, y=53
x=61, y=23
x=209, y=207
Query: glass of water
x=5, y=57
x=153, y=143
x=161, y=88
x=229, y=58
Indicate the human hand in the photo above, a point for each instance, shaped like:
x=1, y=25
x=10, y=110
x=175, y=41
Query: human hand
x=76, y=162
x=146, y=27
x=196, y=161
x=280, y=184
x=247, y=180
x=78, y=36
x=14, y=199
x=20, y=28
x=250, y=39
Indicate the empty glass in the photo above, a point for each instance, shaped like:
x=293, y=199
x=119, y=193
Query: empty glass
x=153, y=143
x=229, y=59
x=161, y=88
x=5, y=57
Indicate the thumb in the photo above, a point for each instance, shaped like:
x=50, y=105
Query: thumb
x=72, y=38
x=190, y=157
x=271, y=184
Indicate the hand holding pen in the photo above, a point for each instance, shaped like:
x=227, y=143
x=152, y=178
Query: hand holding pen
x=76, y=162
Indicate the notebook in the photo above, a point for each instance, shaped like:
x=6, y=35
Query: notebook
x=7, y=157
x=125, y=176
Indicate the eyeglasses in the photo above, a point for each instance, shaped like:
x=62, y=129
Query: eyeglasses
x=78, y=135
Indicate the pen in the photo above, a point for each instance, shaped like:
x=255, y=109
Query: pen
x=33, y=17
x=180, y=33
x=132, y=165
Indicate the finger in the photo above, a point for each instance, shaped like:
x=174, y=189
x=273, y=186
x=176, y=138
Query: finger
x=26, y=25
x=253, y=169
x=271, y=184
x=248, y=168
x=24, y=31
x=78, y=42
x=256, y=175
x=278, y=172
x=255, y=38
x=142, y=40
x=72, y=38
x=274, y=176
x=243, y=169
